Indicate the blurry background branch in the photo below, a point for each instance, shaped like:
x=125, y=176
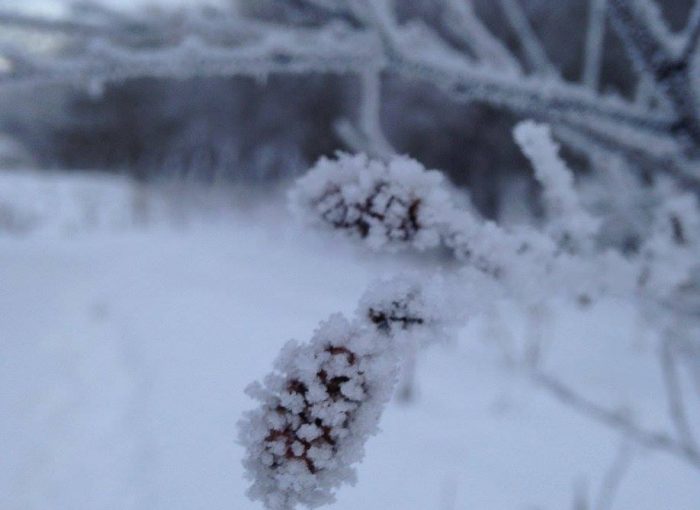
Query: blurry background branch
x=446, y=46
x=533, y=49
x=368, y=135
x=617, y=420
x=595, y=36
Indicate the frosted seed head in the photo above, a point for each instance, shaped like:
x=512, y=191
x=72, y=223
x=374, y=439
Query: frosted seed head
x=317, y=410
x=390, y=206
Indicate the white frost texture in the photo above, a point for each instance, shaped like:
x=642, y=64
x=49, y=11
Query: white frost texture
x=390, y=205
x=326, y=397
x=318, y=409
x=569, y=222
x=430, y=309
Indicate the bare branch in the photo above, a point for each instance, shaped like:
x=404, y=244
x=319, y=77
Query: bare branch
x=368, y=136
x=552, y=99
x=152, y=28
x=614, y=476
x=691, y=34
x=534, y=51
x=329, y=5
x=645, y=90
x=648, y=43
x=616, y=123
x=615, y=420
x=594, y=43
x=641, y=26
x=461, y=19
x=66, y=27
x=325, y=50
x=674, y=394
x=206, y=46
x=591, y=143
x=283, y=51
x=555, y=102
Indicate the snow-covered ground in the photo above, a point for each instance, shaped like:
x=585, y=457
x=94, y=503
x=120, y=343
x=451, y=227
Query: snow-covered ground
x=124, y=353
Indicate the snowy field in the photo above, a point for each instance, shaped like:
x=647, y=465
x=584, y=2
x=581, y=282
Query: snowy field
x=125, y=347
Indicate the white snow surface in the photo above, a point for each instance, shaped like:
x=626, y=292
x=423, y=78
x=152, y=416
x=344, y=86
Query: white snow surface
x=124, y=354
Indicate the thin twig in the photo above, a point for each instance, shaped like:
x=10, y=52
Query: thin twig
x=615, y=420
x=612, y=480
x=646, y=39
x=692, y=34
x=674, y=394
x=595, y=36
x=461, y=19
x=368, y=136
x=66, y=27
x=532, y=47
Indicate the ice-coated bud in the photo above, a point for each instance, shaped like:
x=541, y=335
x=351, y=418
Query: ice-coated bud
x=317, y=411
x=389, y=205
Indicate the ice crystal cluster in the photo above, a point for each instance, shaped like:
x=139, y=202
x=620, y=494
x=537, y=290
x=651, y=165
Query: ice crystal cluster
x=389, y=205
x=419, y=306
x=325, y=398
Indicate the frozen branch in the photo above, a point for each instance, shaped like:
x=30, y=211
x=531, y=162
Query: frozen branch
x=261, y=48
x=184, y=45
x=534, y=51
x=554, y=102
x=328, y=5
x=676, y=400
x=568, y=222
x=643, y=31
x=368, y=136
x=645, y=91
x=463, y=22
x=615, y=420
x=666, y=161
x=649, y=44
x=612, y=480
x=549, y=99
x=325, y=398
x=66, y=27
x=400, y=205
x=691, y=34
x=326, y=50
x=287, y=52
x=595, y=36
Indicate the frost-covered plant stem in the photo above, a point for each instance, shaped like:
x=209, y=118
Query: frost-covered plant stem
x=674, y=393
x=325, y=397
x=616, y=420
x=530, y=266
x=317, y=411
x=595, y=35
x=534, y=51
x=367, y=135
x=407, y=387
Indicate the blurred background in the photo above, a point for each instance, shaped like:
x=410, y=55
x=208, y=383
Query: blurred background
x=263, y=130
